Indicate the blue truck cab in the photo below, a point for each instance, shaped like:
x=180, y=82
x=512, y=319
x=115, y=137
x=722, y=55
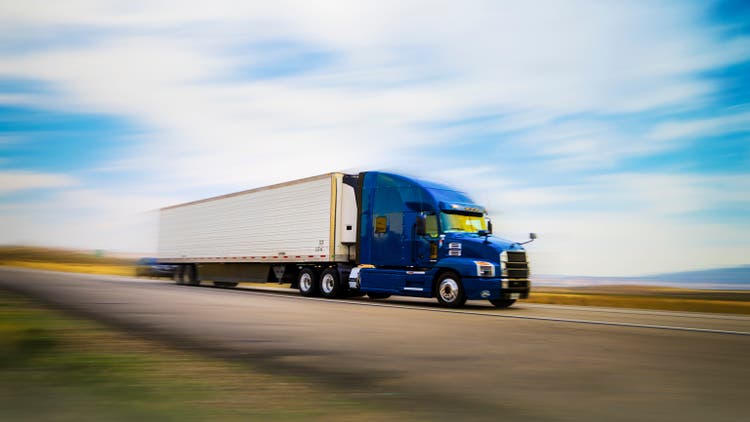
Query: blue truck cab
x=423, y=239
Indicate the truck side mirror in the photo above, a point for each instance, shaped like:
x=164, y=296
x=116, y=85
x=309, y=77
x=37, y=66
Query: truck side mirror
x=489, y=226
x=532, y=237
x=421, y=225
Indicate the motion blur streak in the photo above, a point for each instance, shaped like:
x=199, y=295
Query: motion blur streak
x=446, y=365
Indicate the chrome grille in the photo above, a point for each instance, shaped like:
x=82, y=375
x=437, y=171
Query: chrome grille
x=516, y=256
x=517, y=267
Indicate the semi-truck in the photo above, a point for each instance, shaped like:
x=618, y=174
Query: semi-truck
x=337, y=235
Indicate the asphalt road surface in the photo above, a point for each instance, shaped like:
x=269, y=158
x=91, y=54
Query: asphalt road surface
x=530, y=362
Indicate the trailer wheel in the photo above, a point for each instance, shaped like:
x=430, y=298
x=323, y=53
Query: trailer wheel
x=179, y=274
x=330, y=286
x=308, y=283
x=502, y=303
x=450, y=290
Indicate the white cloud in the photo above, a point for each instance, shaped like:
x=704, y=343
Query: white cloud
x=86, y=218
x=651, y=195
x=18, y=99
x=16, y=181
x=585, y=144
x=626, y=244
x=177, y=70
x=631, y=224
x=673, y=195
x=697, y=128
x=484, y=57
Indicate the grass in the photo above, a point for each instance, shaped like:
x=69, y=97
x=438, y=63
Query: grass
x=739, y=305
x=65, y=260
x=74, y=268
x=56, y=367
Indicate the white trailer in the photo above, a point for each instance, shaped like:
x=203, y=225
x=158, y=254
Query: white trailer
x=262, y=234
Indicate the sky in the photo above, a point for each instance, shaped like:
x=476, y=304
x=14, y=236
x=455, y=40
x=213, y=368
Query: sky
x=617, y=131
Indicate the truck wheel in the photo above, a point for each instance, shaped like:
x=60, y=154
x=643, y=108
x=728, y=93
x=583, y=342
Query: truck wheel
x=502, y=303
x=450, y=291
x=308, y=283
x=376, y=295
x=179, y=274
x=329, y=283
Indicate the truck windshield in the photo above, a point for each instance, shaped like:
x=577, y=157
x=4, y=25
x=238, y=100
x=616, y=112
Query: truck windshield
x=470, y=223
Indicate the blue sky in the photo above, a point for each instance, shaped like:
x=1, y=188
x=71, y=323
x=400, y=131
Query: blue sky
x=619, y=131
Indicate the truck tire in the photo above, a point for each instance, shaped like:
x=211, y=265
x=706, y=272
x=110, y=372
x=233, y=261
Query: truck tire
x=450, y=290
x=308, y=283
x=179, y=274
x=330, y=285
x=502, y=303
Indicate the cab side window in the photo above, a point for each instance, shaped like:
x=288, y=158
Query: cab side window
x=431, y=225
x=381, y=224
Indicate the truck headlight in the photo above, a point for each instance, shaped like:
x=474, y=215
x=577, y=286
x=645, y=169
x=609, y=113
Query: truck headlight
x=504, y=284
x=485, y=269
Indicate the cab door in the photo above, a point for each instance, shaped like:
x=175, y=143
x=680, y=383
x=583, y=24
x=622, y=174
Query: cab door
x=424, y=243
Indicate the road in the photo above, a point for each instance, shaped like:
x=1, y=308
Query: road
x=530, y=362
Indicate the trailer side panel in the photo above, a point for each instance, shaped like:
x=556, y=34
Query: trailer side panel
x=290, y=222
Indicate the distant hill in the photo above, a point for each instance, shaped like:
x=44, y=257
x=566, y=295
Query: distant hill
x=737, y=278
x=736, y=275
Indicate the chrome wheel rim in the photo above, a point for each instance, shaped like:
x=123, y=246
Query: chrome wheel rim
x=327, y=283
x=305, y=282
x=449, y=290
